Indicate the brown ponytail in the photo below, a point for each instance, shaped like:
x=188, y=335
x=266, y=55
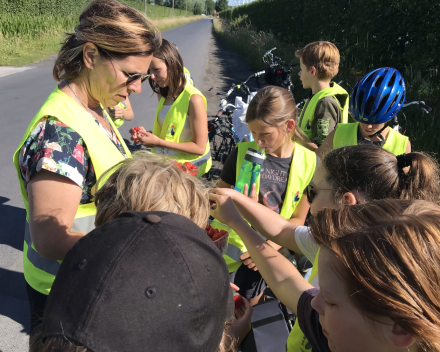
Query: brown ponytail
x=374, y=173
x=116, y=29
x=390, y=261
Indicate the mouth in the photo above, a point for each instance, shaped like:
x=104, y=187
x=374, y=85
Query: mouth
x=122, y=97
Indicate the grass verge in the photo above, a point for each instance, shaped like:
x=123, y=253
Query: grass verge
x=19, y=51
x=422, y=129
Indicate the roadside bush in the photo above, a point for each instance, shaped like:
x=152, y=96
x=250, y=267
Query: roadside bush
x=399, y=33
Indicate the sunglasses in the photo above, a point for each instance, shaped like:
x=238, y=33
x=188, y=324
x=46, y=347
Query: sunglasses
x=311, y=192
x=136, y=76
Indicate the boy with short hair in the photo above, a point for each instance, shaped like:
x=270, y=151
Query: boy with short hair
x=327, y=104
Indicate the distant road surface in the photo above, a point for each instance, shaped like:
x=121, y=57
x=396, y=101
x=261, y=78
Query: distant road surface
x=21, y=95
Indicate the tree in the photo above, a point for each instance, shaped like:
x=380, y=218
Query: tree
x=210, y=6
x=197, y=9
x=221, y=5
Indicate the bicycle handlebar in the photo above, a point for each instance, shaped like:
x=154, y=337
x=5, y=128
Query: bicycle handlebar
x=421, y=105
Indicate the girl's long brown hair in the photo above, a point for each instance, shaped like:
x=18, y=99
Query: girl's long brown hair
x=390, y=255
x=374, y=173
x=116, y=29
x=176, y=80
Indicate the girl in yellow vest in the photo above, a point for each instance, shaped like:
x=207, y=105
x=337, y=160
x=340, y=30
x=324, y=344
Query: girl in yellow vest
x=285, y=174
x=349, y=175
x=179, y=129
x=377, y=269
x=375, y=100
x=71, y=141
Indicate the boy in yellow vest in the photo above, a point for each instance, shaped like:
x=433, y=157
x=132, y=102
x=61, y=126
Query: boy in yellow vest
x=327, y=104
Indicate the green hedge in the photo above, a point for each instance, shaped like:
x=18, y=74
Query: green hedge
x=30, y=18
x=369, y=34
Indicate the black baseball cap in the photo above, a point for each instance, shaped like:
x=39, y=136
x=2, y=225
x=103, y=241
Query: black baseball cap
x=146, y=281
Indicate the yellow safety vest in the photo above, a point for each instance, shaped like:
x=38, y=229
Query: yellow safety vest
x=308, y=113
x=346, y=135
x=188, y=75
x=173, y=125
x=297, y=341
x=40, y=272
x=301, y=172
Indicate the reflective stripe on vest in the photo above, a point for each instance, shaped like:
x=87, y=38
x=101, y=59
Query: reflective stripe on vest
x=38, y=271
x=301, y=172
x=173, y=125
x=346, y=135
x=308, y=113
x=297, y=341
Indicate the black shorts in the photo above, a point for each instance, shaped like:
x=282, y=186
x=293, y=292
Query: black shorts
x=250, y=282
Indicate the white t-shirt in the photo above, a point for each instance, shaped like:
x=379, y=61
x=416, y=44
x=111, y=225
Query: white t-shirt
x=308, y=246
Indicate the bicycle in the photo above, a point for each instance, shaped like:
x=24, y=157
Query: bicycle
x=221, y=134
x=276, y=73
x=421, y=104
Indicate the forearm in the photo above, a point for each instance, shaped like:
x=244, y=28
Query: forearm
x=187, y=147
x=281, y=276
x=270, y=224
x=54, y=247
x=128, y=115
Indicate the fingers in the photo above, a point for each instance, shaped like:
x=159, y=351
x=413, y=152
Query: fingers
x=245, y=256
x=246, y=189
x=234, y=287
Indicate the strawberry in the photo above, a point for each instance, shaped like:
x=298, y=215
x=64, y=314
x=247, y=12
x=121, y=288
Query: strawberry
x=216, y=237
x=211, y=232
x=223, y=232
x=137, y=129
x=238, y=302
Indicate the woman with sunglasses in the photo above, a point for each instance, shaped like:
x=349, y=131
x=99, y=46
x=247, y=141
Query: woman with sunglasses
x=179, y=129
x=71, y=140
x=346, y=176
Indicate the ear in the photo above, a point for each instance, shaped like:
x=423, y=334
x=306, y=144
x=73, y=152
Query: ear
x=313, y=70
x=90, y=55
x=290, y=125
x=400, y=337
x=349, y=199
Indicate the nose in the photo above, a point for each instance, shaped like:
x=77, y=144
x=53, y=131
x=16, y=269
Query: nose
x=318, y=303
x=152, y=76
x=135, y=86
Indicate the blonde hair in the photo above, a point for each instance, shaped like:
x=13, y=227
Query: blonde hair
x=273, y=106
x=150, y=182
x=389, y=252
x=117, y=30
x=324, y=56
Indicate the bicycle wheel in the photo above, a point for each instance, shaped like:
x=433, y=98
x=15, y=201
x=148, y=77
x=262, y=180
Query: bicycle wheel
x=221, y=147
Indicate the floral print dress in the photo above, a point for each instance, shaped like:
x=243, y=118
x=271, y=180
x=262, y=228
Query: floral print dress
x=55, y=147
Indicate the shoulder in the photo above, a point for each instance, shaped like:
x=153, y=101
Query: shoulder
x=305, y=242
x=196, y=99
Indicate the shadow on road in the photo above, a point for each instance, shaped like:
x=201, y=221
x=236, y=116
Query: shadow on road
x=12, y=224
x=13, y=299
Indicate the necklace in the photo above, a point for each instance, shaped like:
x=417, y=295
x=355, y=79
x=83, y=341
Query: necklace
x=90, y=110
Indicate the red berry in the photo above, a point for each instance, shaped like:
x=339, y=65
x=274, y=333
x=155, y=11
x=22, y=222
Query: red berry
x=238, y=302
x=137, y=129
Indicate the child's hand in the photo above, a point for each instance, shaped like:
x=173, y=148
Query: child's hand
x=242, y=325
x=247, y=260
x=253, y=195
x=224, y=208
x=116, y=112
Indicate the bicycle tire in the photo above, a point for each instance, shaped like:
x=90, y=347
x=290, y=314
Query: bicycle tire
x=221, y=147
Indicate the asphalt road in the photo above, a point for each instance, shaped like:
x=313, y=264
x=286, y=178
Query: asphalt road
x=21, y=95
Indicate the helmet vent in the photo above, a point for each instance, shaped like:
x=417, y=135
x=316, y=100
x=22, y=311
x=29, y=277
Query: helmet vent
x=368, y=78
x=378, y=81
x=392, y=104
x=392, y=80
x=361, y=98
x=369, y=105
x=382, y=102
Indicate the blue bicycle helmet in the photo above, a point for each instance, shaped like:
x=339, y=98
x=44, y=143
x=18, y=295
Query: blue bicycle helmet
x=378, y=96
